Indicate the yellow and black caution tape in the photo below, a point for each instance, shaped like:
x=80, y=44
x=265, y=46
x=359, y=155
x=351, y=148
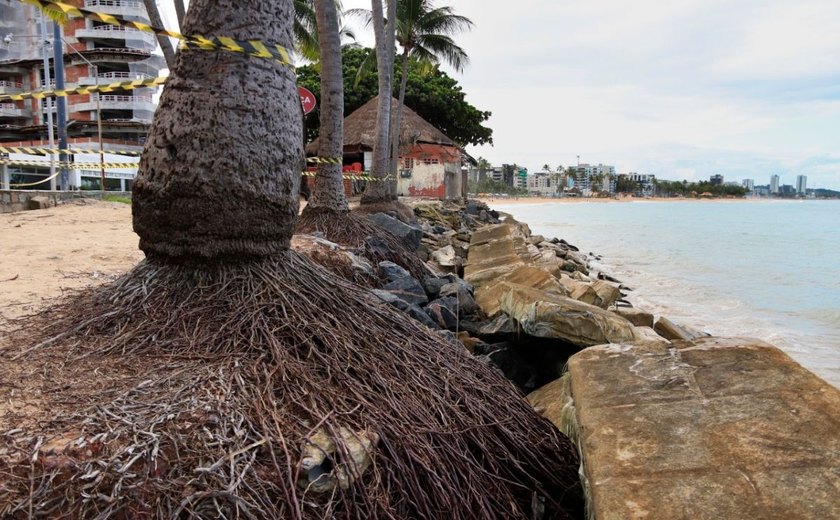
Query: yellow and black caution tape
x=75, y=165
x=353, y=176
x=44, y=151
x=324, y=160
x=110, y=87
x=356, y=176
x=254, y=48
x=24, y=185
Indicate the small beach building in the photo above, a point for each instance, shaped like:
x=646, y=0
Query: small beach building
x=429, y=162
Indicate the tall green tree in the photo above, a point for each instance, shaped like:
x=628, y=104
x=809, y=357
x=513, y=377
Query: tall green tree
x=437, y=98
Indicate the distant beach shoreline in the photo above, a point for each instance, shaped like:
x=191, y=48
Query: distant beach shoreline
x=490, y=201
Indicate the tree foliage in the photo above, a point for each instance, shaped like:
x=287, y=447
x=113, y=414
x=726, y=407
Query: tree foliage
x=437, y=98
x=671, y=188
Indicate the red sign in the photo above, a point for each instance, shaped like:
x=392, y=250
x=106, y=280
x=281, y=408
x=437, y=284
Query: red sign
x=307, y=99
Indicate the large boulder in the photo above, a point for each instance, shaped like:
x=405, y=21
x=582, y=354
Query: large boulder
x=546, y=315
x=488, y=296
x=607, y=293
x=410, y=235
x=413, y=310
x=715, y=428
x=444, y=312
x=408, y=289
x=461, y=293
x=391, y=271
x=580, y=291
x=446, y=257
x=39, y=202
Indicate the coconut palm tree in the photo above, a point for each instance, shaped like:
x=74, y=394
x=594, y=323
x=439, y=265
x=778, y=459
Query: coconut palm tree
x=180, y=12
x=377, y=191
x=257, y=218
x=163, y=41
x=327, y=210
x=328, y=192
x=425, y=34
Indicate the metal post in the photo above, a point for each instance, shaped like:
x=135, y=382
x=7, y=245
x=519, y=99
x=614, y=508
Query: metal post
x=48, y=102
x=98, y=114
x=4, y=177
x=61, y=108
x=99, y=129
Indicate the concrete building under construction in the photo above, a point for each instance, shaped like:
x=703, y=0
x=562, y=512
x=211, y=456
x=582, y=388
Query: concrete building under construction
x=92, y=53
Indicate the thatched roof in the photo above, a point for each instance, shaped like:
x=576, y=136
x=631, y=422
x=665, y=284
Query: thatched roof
x=360, y=129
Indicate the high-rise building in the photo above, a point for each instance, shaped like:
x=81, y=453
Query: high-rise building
x=716, y=180
x=93, y=53
x=801, y=184
x=748, y=184
x=774, y=184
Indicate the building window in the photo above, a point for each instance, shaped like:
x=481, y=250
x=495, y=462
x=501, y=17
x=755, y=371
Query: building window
x=408, y=163
x=431, y=160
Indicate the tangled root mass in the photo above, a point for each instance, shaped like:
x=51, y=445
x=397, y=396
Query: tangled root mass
x=254, y=371
x=354, y=230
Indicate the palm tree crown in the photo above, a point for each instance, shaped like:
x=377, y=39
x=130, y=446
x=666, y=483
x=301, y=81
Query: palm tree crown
x=425, y=33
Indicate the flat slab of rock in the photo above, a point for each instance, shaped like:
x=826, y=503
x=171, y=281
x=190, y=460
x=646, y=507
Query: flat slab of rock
x=546, y=315
x=672, y=331
x=488, y=297
x=488, y=261
x=635, y=316
x=709, y=429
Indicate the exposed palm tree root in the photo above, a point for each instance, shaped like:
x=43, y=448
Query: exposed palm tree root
x=351, y=229
x=241, y=370
x=403, y=212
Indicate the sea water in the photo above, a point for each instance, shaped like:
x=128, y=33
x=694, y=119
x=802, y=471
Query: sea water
x=763, y=269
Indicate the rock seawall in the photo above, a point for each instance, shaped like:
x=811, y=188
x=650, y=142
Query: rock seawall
x=670, y=422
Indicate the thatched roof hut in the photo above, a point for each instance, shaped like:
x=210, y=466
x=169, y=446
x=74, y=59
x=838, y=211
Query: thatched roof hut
x=360, y=130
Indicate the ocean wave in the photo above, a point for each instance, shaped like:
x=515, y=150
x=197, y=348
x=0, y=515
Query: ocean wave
x=830, y=317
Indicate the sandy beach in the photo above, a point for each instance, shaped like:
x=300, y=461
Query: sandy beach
x=47, y=252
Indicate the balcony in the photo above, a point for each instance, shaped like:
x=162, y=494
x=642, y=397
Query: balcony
x=112, y=77
x=113, y=102
x=10, y=87
x=115, y=32
x=119, y=7
x=11, y=111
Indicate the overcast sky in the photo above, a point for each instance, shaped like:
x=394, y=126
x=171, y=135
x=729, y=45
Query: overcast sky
x=682, y=89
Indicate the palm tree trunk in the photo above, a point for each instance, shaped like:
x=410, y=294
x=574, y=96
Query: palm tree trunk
x=377, y=189
x=329, y=186
x=397, y=120
x=180, y=12
x=220, y=171
x=165, y=44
